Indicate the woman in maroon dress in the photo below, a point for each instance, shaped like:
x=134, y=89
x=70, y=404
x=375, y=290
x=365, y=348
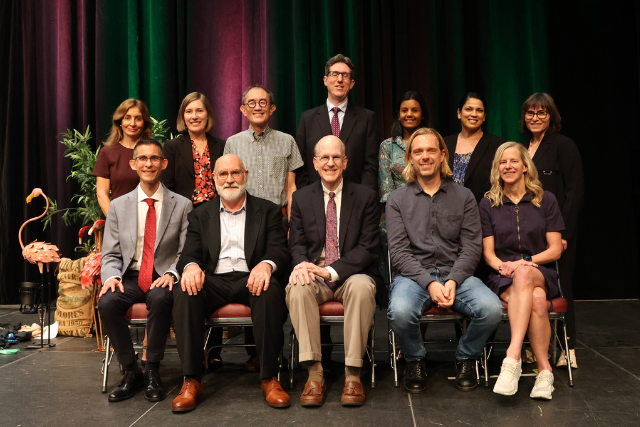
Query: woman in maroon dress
x=521, y=231
x=114, y=176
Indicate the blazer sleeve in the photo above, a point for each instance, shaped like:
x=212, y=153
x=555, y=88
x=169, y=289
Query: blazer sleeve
x=372, y=143
x=365, y=253
x=573, y=179
x=192, y=250
x=276, y=240
x=111, y=263
x=297, y=237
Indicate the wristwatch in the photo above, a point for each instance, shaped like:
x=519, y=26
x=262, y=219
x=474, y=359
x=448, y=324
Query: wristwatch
x=175, y=279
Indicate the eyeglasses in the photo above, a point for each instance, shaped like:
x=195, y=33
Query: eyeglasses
x=541, y=114
x=335, y=74
x=323, y=160
x=223, y=175
x=144, y=159
x=252, y=104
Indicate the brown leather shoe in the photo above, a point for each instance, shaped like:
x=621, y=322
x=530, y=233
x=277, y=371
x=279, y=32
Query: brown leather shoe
x=186, y=399
x=274, y=394
x=313, y=394
x=353, y=394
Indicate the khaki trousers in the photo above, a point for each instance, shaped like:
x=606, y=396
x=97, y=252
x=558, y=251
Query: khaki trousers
x=357, y=294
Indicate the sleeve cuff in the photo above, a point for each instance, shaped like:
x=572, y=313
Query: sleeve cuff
x=112, y=277
x=333, y=273
x=272, y=264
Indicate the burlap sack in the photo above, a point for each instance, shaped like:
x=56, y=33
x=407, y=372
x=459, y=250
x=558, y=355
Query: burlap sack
x=73, y=311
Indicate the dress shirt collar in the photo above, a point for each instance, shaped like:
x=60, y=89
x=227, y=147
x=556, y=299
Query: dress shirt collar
x=158, y=196
x=337, y=191
x=243, y=208
x=399, y=140
x=446, y=182
x=342, y=107
x=255, y=135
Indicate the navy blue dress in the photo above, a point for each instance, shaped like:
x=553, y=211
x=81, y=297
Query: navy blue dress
x=502, y=223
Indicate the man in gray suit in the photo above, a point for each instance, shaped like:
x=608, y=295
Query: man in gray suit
x=143, y=238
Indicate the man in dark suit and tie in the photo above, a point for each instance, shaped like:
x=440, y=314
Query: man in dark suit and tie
x=355, y=126
x=144, y=234
x=235, y=252
x=334, y=241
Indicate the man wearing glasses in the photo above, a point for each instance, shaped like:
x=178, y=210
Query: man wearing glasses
x=143, y=237
x=270, y=155
x=236, y=252
x=355, y=126
x=334, y=241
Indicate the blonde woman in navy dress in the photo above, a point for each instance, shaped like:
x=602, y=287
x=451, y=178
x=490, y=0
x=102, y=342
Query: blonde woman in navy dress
x=521, y=231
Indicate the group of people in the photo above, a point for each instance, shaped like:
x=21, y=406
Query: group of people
x=284, y=225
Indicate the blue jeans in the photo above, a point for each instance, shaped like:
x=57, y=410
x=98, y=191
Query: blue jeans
x=408, y=301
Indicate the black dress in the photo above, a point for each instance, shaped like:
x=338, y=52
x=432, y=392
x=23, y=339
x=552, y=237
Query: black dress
x=534, y=223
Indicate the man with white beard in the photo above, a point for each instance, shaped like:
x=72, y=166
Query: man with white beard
x=235, y=252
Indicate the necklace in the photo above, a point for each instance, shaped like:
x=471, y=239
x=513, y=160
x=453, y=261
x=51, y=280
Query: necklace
x=517, y=199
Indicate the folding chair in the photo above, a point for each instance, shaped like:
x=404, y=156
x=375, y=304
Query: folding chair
x=332, y=313
x=557, y=309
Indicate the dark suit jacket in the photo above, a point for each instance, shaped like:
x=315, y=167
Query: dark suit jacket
x=560, y=170
x=360, y=134
x=264, y=238
x=359, y=237
x=478, y=171
x=180, y=176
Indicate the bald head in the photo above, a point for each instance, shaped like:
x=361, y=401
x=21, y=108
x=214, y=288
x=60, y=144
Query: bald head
x=228, y=162
x=329, y=142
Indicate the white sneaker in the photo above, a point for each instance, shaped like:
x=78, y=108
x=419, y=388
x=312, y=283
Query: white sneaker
x=543, y=386
x=507, y=383
x=562, y=361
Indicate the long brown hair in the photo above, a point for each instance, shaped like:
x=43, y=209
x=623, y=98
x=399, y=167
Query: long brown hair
x=409, y=174
x=531, y=183
x=116, y=134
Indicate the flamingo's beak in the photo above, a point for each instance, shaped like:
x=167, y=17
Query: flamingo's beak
x=30, y=197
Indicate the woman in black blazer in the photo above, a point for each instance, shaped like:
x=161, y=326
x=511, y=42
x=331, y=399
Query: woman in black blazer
x=471, y=151
x=560, y=168
x=193, y=154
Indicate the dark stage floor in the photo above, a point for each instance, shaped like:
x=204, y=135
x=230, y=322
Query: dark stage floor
x=61, y=386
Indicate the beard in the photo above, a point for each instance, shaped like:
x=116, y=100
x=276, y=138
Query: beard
x=231, y=192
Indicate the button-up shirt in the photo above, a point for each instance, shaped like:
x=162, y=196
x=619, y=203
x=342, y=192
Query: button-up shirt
x=269, y=156
x=342, y=109
x=440, y=231
x=143, y=208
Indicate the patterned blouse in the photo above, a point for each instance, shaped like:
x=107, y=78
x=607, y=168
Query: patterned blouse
x=391, y=165
x=460, y=163
x=205, y=186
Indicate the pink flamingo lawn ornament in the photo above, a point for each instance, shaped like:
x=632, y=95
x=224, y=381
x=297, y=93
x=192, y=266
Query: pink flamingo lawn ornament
x=40, y=253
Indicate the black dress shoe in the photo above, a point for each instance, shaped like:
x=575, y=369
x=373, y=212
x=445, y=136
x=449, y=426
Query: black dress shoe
x=127, y=387
x=466, y=375
x=415, y=379
x=154, y=390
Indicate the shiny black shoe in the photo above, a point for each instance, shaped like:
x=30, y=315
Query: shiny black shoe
x=466, y=375
x=415, y=378
x=127, y=387
x=154, y=390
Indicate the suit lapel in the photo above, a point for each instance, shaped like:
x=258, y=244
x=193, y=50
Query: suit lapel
x=212, y=230
x=322, y=116
x=476, y=155
x=346, y=207
x=348, y=122
x=544, y=146
x=317, y=203
x=168, y=205
x=186, y=154
x=252, y=226
x=131, y=221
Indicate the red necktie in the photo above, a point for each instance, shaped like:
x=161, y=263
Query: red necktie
x=335, y=123
x=331, y=235
x=145, y=277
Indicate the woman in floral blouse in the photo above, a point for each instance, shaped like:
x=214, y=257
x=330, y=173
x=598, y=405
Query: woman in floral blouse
x=412, y=114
